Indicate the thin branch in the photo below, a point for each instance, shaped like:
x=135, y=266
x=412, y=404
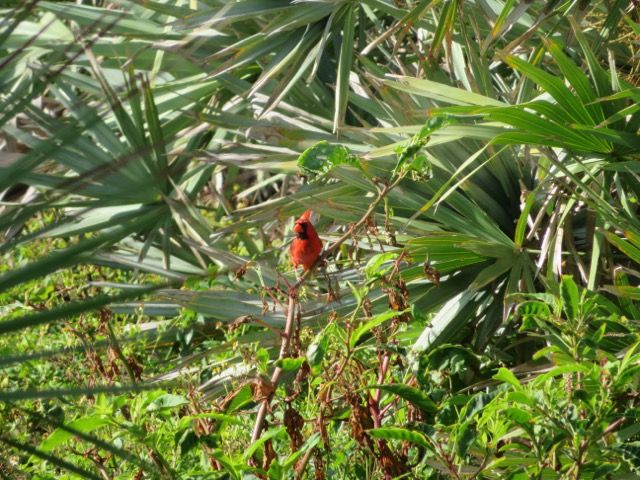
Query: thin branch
x=375, y=407
x=302, y=465
x=113, y=340
x=284, y=350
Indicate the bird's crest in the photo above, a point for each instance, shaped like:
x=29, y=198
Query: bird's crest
x=306, y=215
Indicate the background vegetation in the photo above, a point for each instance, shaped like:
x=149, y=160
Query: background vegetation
x=474, y=170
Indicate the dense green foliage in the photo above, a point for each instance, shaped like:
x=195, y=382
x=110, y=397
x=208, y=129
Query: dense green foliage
x=472, y=167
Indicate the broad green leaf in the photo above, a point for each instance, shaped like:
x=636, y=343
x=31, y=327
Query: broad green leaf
x=561, y=370
x=410, y=394
x=322, y=157
x=401, y=434
x=310, y=443
x=369, y=325
x=167, y=402
x=519, y=396
x=229, y=465
x=444, y=323
x=570, y=297
x=318, y=348
x=290, y=364
x=505, y=375
x=268, y=435
x=61, y=436
x=219, y=417
x=517, y=415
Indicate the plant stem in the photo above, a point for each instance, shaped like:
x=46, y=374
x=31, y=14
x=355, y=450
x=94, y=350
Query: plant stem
x=113, y=340
x=302, y=465
x=284, y=350
x=375, y=405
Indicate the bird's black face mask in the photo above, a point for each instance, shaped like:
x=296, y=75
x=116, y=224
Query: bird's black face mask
x=302, y=234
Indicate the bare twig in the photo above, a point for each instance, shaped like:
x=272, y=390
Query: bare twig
x=375, y=410
x=284, y=349
x=302, y=465
x=113, y=341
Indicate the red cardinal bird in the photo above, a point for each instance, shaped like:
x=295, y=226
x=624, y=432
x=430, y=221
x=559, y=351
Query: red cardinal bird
x=306, y=247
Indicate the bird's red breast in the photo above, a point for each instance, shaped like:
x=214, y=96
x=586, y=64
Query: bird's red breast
x=306, y=247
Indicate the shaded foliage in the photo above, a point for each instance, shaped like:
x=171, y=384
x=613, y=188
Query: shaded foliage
x=472, y=165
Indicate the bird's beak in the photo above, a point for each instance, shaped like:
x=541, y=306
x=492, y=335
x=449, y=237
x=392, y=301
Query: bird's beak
x=298, y=228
